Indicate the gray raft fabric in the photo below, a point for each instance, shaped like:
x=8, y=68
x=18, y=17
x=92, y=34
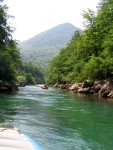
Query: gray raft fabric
x=13, y=140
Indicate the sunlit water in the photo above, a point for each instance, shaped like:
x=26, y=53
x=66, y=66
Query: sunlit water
x=59, y=120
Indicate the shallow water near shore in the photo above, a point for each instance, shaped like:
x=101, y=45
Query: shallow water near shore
x=58, y=119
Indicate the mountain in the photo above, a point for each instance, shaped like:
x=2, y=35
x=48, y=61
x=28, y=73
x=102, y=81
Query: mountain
x=44, y=46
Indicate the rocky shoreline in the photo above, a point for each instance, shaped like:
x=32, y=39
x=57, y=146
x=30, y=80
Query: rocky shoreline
x=7, y=87
x=103, y=88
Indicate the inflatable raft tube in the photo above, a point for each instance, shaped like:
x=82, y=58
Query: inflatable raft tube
x=12, y=139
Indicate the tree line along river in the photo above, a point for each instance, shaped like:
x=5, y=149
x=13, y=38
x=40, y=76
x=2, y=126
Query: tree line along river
x=58, y=119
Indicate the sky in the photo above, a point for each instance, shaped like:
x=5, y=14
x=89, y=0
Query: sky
x=35, y=16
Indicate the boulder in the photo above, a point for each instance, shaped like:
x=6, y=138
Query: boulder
x=107, y=88
x=62, y=86
x=84, y=90
x=86, y=84
x=110, y=95
x=73, y=87
x=7, y=87
x=81, y=90
x=103, y=88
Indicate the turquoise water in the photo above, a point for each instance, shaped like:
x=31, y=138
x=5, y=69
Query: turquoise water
x=59, y=120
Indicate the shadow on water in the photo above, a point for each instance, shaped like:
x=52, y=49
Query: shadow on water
x=6, y=109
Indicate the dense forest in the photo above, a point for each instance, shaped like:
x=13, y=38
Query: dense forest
x=89, y=55
x=12, y=69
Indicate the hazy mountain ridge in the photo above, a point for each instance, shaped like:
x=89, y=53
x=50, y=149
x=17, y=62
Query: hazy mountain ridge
x=44, y=46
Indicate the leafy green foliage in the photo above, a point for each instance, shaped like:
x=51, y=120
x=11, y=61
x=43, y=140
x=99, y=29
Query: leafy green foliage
x=9, y=54
x=21, y=80
x=89, y=55
x=30, y=74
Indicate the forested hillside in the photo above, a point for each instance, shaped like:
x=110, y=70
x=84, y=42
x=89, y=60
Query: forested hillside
x=89, y=55
x=44, y=46
x=12, y=70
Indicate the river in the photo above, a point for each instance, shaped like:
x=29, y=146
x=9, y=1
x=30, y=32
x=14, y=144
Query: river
x=58, y=119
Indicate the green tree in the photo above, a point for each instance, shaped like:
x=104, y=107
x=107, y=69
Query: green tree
x=89, y=55
x=31, y=73
x=9, y=54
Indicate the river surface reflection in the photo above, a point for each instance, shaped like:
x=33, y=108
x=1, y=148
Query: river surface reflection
x=59, y=120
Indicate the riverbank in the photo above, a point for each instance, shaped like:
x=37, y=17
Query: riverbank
x=103, y=88
x=7, y=87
